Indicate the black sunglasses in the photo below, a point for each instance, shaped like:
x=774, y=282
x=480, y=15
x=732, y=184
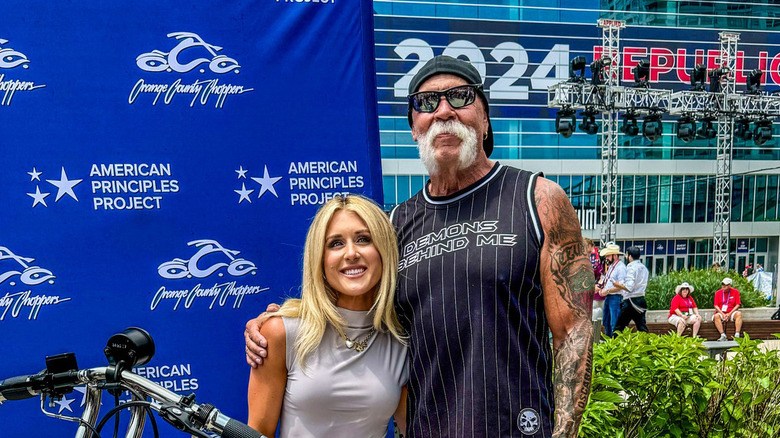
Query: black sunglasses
x=457, y=97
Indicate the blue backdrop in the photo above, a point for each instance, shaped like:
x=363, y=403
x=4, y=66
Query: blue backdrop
x=161, y=162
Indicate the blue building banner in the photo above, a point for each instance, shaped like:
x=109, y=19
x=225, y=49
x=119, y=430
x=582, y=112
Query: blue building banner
x=161, y=163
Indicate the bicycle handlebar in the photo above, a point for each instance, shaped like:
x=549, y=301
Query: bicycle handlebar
x=183, y=413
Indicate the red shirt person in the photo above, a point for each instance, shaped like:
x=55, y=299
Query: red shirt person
x=727, y=304
x=683, y=311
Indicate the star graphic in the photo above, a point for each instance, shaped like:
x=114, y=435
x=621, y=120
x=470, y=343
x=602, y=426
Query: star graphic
x=38, y=197
x=267, y=183
x=244, y=193
x=83, y=392
x=64, y=403
x=241, y=172
x=64, y=186
x=34, y=175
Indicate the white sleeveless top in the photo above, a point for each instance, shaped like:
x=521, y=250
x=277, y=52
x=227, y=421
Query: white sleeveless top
x=343, y=393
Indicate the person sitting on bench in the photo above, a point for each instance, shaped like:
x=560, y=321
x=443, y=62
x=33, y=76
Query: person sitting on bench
x=727, y=305
x=683, y=311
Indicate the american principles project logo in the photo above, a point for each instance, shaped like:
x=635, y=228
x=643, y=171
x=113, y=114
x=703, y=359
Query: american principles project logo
x=21, y=284
x=190, y=53
x=11, y=59
x=305, y=183
x=107, y=186
x=210, y=260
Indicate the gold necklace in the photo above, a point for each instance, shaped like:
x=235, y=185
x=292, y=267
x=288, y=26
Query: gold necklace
x=358, y=345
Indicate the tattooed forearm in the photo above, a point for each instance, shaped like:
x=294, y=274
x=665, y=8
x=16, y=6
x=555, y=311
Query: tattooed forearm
x=568, y=284
x=572, y=375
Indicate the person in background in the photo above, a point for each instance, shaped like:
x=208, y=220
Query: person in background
x=683, y=311
x=598, y=276
x=339, y=364
x=633, y=307
x=616, y=271
x=727, y=305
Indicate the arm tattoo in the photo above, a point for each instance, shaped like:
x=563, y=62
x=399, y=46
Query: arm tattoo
x=571, y=278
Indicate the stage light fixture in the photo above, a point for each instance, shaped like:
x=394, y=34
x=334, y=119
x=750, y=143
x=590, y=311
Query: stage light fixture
x=577, y=64
x=762, y=132
x=706, y=130
x=652, y=127
x=686, y=129
x=588, y=124
x=698, y=76
x=565, y=123
x=754, y=81
x=597, y=70
x=642, y=73
x=630, y=126
x=715, y=76
x=742, y=129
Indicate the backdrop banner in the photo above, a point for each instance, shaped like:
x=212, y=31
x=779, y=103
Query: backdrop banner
x=161, y=163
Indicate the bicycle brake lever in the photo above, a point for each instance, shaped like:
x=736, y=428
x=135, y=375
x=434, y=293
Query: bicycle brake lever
x=178, y=418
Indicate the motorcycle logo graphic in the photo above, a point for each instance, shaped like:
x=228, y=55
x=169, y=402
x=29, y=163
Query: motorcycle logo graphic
x=29, y=275
x=207, y=251
x=10, y=58
x=157, y=61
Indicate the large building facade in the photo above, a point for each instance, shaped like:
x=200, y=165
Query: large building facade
x=666, y=187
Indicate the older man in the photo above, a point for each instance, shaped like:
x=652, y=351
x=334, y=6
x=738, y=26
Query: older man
x=492, y=261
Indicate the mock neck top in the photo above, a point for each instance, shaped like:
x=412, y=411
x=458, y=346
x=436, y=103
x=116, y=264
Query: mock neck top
x=343, y=392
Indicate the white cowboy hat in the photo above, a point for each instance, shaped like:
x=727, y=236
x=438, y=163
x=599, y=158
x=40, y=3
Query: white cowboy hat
x=610, y=249
x=684, y=285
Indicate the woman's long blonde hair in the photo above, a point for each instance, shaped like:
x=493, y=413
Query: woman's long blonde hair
x=317, y=306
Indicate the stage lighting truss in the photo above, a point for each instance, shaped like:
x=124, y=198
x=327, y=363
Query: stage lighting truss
x=762, y=132
x=652, y=127
x=686, y=129
x=588, y=124
x=707, y=130
x=715, y=77
x=565, y=123
x=597, y=70
x=630, y=126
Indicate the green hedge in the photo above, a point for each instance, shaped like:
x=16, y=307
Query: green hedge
x=706, y=282
x=646, y=385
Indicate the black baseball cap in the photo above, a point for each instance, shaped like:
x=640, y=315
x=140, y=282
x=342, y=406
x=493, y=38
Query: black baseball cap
x=447, y=64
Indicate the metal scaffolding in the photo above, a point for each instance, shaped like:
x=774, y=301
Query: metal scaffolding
x=722, y=104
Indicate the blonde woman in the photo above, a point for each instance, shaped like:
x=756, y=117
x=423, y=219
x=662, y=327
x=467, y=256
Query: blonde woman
x=337, y=363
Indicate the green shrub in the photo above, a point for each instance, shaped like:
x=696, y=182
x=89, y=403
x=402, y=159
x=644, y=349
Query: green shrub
x=706, y=282
x=646, y=385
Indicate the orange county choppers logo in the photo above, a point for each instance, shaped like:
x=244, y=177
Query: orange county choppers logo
x=11, y=59
x=20, y=275
x=210, y=259
x=189, y=54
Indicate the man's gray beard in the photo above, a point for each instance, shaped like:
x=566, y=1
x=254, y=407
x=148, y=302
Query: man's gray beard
x=468, y=144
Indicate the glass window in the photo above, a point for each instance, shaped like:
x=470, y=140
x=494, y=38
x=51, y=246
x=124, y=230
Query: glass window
x=388, y=189
x=771, y=198
x=736, y=198
x=565, y=182
x=576, y=191
x=402, y=186
x=701, y=199
x=761, y=244
x=652, y=200
x=640, y=194
x=747, y=198
x=760, y=197
x=677, y=195
x=688, y=200
x=711, y=197
x=626, y=192
x=664, y=198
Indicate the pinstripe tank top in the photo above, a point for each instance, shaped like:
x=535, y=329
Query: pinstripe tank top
x=470, y=298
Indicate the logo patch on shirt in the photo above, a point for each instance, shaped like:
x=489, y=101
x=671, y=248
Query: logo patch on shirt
x=528, y=421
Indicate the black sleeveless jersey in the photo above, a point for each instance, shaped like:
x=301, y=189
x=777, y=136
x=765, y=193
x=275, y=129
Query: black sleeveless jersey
x=470, y=298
